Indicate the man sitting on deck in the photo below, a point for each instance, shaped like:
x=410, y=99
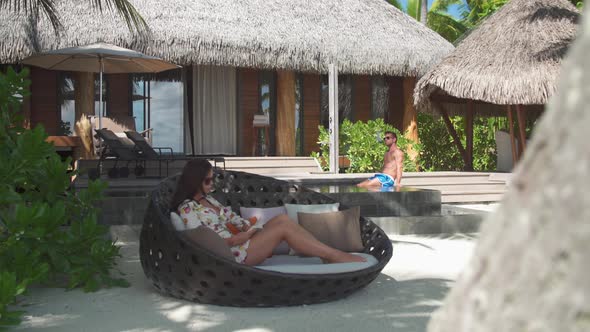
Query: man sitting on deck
x=392, y=166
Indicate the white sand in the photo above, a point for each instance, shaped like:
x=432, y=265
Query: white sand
x=410, y=287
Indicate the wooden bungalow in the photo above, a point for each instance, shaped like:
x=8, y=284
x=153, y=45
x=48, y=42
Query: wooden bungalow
x=511, y=62
x=239, y=58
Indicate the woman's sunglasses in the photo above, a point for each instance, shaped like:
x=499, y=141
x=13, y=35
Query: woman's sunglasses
x=207, y=181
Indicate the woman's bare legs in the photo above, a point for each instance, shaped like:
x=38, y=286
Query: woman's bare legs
x=281, y=228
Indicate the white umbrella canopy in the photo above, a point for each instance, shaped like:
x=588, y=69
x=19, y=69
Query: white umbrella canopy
x=88, y=58
x=99, y=58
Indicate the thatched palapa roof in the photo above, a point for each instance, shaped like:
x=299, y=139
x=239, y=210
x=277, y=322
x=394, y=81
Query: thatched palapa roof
x=361, y=36
x=512, y=58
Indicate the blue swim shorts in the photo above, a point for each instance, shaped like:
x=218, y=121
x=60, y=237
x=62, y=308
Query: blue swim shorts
x=386, y=180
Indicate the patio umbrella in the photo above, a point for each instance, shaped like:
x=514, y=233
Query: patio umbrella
x=99, y=58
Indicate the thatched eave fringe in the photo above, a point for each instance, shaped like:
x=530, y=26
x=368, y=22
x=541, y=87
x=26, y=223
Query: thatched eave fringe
x=512, y=58
x=360, y=36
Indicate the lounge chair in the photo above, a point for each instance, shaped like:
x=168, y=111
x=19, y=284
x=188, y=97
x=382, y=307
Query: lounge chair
x=118, y=126
x=184, y=269
x=114, y=147
x=163, y=154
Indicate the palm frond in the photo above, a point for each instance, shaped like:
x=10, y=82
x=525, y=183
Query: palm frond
x=413, y=9
x=33, y=7
x=126, y=10
x=443, y=5
x=396, y=4
x=447, y=26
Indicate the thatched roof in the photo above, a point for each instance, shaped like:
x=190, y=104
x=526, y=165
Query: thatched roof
x=512, y=58
x=361, y=36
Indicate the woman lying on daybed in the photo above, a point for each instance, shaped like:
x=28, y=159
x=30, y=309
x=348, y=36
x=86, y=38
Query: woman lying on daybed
x=249, y=245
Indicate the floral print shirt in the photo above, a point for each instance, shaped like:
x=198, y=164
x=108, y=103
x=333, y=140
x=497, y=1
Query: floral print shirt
x=196, y=214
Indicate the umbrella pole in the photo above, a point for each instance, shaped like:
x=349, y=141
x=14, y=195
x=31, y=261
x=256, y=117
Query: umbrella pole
x=100, y=92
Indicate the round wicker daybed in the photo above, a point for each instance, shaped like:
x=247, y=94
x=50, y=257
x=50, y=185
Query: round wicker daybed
x=179, y=268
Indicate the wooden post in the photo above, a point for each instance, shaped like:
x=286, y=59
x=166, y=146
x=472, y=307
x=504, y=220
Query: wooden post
x=84, y=100
x=333, y=120
x=395, y=114
x=285, y=128
x=452, y=131
x=511, y=128
x=410, y=119
x=521, y=117
x=469, y=135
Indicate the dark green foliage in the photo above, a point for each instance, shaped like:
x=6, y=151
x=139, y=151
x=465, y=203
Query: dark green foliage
x=439, y=152
x=363, y=143
x=48, y=234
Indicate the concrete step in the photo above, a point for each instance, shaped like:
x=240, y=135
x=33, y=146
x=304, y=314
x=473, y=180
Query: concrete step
x=443, y=180
x=273, y=170
x=452, y=187
x=471, y=197
x=442, y=224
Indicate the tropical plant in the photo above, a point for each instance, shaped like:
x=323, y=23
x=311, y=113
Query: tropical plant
x=362, y=143
x=437, y=17
x=47, y=7
x=48, y=234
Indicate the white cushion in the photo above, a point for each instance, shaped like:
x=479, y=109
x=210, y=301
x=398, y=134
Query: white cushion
x=292, y=209
x=179, y=224
x=313, y=265
x=263, y=215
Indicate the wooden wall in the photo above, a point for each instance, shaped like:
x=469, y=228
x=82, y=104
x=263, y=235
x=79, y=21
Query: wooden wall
x=44, y=107
x=311, y=112
x=248, y=104
x=119, y=91
x=395, y=115
x=361, y=98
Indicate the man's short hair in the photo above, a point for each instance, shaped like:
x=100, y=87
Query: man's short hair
x=392, y=134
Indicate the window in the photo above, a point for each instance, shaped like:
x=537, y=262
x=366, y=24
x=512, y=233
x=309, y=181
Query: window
x=157, y=102
x=67, y=104
x=344, y=99
x=267, y=89
x=66, y=95
x=379, y=97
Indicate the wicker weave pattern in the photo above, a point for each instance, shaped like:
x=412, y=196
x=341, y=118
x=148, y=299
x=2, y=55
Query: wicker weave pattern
x=181, y=269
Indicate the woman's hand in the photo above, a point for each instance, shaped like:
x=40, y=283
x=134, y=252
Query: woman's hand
x=240, y=238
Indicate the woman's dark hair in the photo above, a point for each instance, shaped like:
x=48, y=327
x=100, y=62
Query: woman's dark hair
x=191, y=180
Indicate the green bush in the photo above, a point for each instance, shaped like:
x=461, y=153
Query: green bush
x=439, y=152
x=48, y=234
x=363, y=143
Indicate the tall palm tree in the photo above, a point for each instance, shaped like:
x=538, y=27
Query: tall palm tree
x=437, y=17
x=423, y=11
x=47, y=7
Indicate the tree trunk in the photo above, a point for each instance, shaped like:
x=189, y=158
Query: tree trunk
x=530, y=269
x=423, y=11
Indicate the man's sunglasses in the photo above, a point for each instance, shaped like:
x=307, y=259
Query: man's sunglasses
x=207, y=181
x=387, y=137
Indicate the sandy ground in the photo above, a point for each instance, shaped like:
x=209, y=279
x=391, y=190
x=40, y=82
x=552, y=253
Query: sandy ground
x=402, y=298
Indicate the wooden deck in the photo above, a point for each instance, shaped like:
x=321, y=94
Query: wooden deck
x=455, y=187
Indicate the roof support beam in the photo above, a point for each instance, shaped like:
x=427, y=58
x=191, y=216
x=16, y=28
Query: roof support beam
x=521, y=117
x=469, y=135
x=452, y=131
x=511, y=128
x=285, y=130
x=83, y=107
